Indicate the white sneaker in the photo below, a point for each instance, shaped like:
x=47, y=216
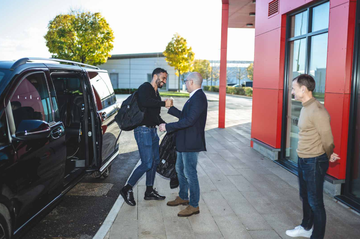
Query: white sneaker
x=299, y=231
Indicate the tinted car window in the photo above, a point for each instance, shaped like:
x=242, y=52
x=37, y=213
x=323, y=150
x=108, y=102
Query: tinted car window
x=31, y=99
x=103, y=88
x=3, y=129
x=2, y=74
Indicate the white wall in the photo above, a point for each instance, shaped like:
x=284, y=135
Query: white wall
x=134, y=71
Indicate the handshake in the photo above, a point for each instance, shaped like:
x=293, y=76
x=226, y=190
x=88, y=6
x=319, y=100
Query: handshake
x=169, y=103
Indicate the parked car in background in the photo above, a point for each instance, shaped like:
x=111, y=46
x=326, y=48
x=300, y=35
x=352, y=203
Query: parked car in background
x=56, y=125
x=244, y=84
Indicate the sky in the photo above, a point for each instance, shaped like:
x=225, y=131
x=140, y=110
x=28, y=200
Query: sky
x=140, y=26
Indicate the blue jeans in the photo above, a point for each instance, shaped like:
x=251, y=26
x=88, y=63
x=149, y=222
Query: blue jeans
x=311, y=181
x=187, y=174
x=148, y=144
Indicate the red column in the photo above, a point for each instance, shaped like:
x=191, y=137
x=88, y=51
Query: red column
x=222, y=84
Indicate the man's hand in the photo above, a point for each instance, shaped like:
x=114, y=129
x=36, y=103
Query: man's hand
x=162, y=127
x=168, y=103
x=334, y=157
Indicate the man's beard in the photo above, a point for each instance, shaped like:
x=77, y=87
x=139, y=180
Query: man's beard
x=158, y=83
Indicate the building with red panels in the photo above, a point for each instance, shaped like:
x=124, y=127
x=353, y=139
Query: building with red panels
x=292, y=37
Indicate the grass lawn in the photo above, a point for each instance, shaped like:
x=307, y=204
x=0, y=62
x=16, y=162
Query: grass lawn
x=173, y=94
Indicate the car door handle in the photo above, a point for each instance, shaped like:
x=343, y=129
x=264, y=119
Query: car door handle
x=56, y=133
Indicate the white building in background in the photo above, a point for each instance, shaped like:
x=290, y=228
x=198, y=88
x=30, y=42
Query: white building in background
x=131, y=70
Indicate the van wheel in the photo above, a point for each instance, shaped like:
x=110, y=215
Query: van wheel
x=106, y=172
x=5, y=226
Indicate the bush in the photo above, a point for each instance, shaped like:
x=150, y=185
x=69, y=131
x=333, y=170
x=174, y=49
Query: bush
x=248, y=91
x=215, y=88
x=229, y=90
x=207, y=88
x=124, y=91
x=235, y=90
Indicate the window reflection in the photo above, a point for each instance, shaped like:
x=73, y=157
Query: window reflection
x=320, y=17
x=299, y=24
x=31, y=100
x=297, y=58
x=318, y=56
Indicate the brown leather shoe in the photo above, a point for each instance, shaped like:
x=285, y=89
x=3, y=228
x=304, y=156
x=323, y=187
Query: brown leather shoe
x=188, y=211
x=178, y=201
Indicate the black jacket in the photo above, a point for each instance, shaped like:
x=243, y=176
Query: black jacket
x=150, y=102
x=190, y=129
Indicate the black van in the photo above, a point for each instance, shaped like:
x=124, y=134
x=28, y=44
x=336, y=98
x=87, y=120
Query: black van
x=56, y=125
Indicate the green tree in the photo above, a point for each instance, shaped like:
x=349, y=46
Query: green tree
x=203, y=67
x=80, y=36
x=179, y=56
x=250, y=71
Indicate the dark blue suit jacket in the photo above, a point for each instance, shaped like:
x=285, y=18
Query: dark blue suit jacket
x=190, y=129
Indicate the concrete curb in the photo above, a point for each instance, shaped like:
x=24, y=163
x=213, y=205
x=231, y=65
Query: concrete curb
x=110, y=219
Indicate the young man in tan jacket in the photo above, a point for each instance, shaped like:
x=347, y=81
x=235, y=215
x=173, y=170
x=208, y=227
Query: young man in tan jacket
x=315, y=148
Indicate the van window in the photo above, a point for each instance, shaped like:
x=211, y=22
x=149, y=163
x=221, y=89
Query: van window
x=102, y=86
x=31, y=100
x=3, y=128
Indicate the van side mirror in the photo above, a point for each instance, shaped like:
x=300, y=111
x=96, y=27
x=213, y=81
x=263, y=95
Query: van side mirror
x=32, y=129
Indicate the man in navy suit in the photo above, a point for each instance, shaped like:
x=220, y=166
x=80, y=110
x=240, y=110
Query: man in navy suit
x=190, y=140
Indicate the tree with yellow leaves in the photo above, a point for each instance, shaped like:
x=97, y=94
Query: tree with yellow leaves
x=250, y=71
x=179, y=56
x=204, y=68
x=80, y=36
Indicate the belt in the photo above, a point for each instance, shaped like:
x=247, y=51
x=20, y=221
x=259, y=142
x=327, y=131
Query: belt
x=149, y=126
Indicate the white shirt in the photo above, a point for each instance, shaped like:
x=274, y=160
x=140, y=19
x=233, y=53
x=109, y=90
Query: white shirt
x=193, y=92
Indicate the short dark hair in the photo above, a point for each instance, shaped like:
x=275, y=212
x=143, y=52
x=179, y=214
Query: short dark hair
x=306, y=80
x=157, y=71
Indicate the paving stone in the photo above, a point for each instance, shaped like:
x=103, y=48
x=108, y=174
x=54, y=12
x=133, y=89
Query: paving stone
x=203, y=224
x=268, y=234
x=260, y=203
x=217, y=204
x=241, y=183
x=231, y=227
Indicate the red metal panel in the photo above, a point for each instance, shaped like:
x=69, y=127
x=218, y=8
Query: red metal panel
x=282, y=51
x=337, y=49
x=262, y=21
x=222, y=86
x=338, y=107
x=287, y=6
x=266, y=116
x=335, y=3
x=267, y=60
x=350, y=47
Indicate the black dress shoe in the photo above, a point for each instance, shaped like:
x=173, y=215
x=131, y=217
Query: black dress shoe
x=128, y=196
x=153, y=195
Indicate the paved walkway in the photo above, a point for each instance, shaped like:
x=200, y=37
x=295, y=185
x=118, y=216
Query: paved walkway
x=243, y=194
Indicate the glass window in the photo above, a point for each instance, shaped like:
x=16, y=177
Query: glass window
x=2, y=74
x=54, y=101
x=297, y=67
x=31, y=100
x=318, y=56
x=3, y=128
x=320, y=17
x=299, y=24
x=297, y=58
